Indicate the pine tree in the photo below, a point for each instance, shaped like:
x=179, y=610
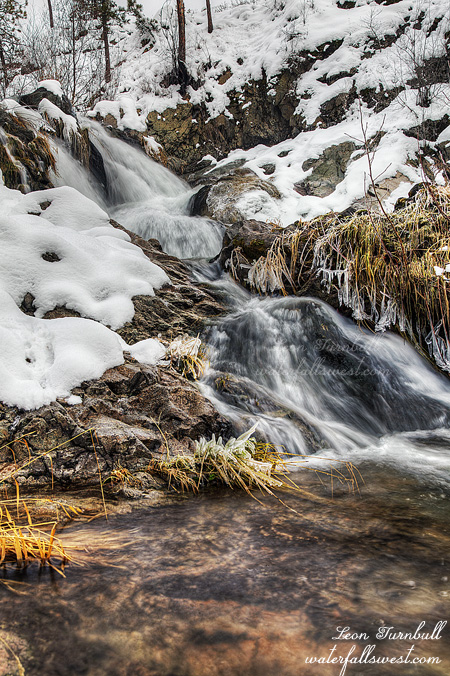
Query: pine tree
x=11, y=12
x=107, y=13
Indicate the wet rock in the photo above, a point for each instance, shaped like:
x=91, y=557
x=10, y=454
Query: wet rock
x=26, y=157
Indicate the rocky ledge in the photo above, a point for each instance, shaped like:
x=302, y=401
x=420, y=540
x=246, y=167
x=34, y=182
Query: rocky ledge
x=135, y=412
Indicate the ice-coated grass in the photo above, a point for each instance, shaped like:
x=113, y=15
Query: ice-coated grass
x=385, y=267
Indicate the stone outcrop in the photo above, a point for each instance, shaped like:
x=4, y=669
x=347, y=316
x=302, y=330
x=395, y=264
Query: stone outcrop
x=136, y=411
x=261, y=113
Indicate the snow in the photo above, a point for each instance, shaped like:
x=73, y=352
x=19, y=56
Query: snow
x=51, y=112
x=93, y=268
x=52, y=86
x=148, y=351
x=42, y=360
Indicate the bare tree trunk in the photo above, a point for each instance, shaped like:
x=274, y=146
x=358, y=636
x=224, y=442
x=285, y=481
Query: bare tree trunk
x=181, y=33
x=105, y=38
x=50, y=13
x=4, y=68
x=208, y=12
x=74, y=68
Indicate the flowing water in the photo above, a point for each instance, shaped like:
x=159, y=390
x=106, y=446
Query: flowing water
x=143, y=196
x=220, y=584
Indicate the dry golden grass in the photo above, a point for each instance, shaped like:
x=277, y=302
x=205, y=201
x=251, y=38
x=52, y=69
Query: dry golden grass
x=382, y=265
x=246, y=464
x=22, y=539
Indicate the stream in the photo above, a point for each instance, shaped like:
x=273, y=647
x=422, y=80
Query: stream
x=221, y=584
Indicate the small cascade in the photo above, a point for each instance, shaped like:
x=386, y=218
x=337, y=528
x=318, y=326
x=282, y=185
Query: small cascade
x=148, y=199
x=318, y=384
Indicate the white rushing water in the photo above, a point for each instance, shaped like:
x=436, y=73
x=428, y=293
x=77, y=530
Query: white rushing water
x=319, y=385
x=143, y=196
x=316, y=383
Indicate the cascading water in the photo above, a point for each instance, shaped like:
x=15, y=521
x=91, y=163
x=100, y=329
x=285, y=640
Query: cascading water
x=318, y=384
x=315, y=382
x=143, y=196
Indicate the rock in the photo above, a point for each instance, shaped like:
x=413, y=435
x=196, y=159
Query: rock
x=178, y=308
x=268, y=168
x=27, y=159
x=327, y=170
x=33, y=100
x=253, y=237
x=135, y=412
x=219, y=198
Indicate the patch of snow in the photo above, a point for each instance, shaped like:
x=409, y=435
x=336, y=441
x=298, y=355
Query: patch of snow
x=52, y=86
x=64, y=253
x=149, y=351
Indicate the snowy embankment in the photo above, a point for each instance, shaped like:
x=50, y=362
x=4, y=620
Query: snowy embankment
x=59, y=248
x=379, y=58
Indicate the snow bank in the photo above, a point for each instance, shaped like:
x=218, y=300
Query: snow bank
x=58, y=246
x=44, y=359
x=368, y=48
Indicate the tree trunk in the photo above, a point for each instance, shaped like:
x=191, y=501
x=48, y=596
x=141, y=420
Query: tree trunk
x=50, y=13
x=105, y=38
x=4, y=68
x=208, y=12
x=181, y=33
x=74, y=64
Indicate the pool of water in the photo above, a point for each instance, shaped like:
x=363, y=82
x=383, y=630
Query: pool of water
x=222, y=585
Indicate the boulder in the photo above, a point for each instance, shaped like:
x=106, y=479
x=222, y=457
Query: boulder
x=222, y=190
x=33, y=99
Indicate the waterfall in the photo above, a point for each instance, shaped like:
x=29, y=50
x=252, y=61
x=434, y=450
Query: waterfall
x=143, y=196
x=317, y=384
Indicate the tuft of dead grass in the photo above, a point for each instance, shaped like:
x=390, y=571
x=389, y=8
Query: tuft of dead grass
x=383, y=267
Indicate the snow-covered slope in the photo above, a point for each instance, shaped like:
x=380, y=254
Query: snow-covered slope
x=372, y=69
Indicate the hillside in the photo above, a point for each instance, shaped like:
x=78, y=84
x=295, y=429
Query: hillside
x=301, y=94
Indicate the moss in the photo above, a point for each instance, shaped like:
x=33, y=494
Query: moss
x=11, y=174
